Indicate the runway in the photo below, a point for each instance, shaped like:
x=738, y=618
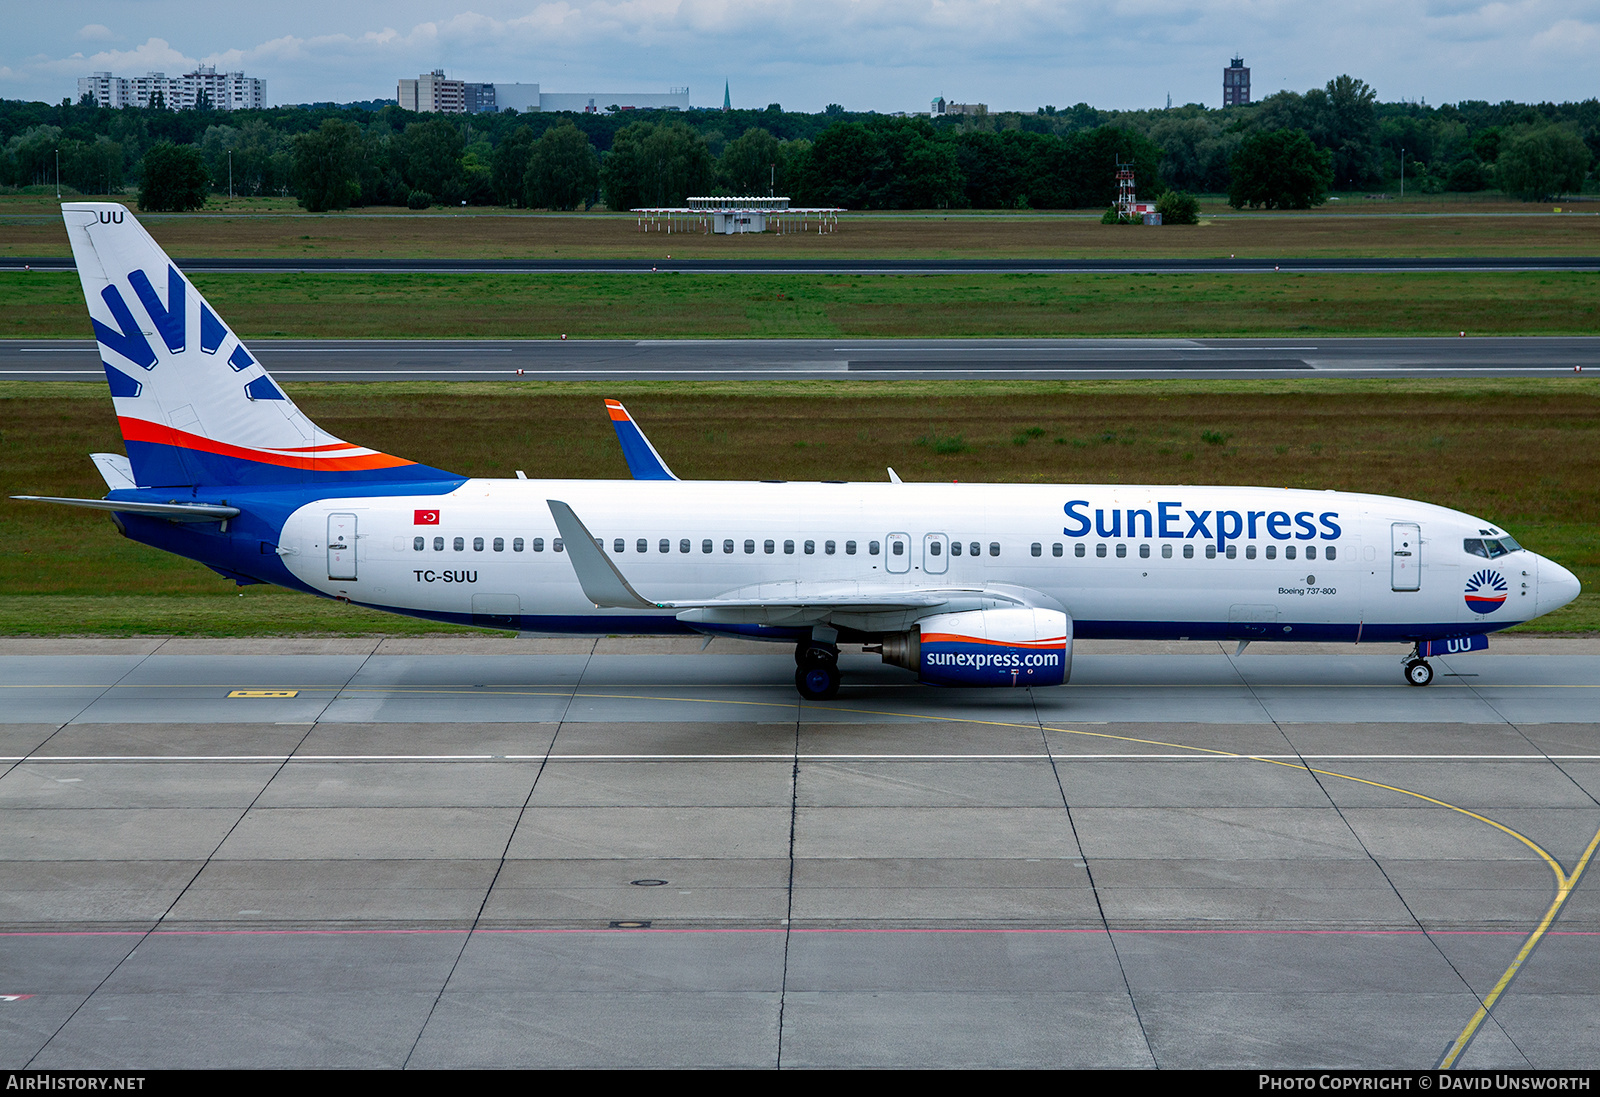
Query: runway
x=1137, y=265
x=464, y=852
x=881, y=359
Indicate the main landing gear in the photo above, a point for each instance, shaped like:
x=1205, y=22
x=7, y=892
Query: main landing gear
x=1418, y=671
x=816, y=673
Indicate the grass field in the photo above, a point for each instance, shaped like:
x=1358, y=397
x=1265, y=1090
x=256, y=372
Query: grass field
x=1524, y=454
x=638, y=306
x=30, y=226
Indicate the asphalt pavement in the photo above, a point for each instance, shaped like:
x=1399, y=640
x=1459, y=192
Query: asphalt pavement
x=1141, y=265
x=460, y=852
x=864, y=359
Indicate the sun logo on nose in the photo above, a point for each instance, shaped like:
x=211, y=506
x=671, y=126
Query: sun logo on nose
x=1486, y=591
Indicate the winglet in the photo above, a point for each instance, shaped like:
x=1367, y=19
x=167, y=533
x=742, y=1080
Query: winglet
x=602, y=583
x=894, y=477
x=643, y=460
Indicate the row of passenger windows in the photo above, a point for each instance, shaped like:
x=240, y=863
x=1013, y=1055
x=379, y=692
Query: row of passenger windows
x=897, y=547
x=707, y=546
x=1330, y=552
x=418, y=544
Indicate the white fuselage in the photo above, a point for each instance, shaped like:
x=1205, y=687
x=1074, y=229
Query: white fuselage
x=1134, y=561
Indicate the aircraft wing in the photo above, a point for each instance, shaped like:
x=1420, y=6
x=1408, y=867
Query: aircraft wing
x=869, y=605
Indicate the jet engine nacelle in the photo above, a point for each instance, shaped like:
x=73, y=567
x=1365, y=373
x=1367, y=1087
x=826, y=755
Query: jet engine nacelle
x=986, y=647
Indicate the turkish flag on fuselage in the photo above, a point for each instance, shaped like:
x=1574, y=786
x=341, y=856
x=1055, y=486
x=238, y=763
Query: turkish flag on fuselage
x=425, y=518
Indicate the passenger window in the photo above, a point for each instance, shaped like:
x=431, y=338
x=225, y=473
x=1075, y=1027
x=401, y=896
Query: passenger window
x=829, y=547
x=1331, y=553
x=1233, y=552
x=975, y=549
x=1166, y=552
x=1249, y=552
x=499, y=544
x=1288, y=552
x=642, y=545
x=872, y=548
x=849, y=548
x=1055, y=549
x=749, y=546
x=1077, y=549
x=477, y=544
x=727, y=547
x=417, y=543
x=556, y=545
x=1036, y=549
x=1122, y=552
x=934, y=549
x=1272, y=552
x=955, y=548
x=1188, y=552
x=538, y=544
x=994, y=548
x=705, y=546
x=517, y=544
x=664, y=546
x=438, y=544
x=460, y=544
x=811, y=548
x=1211, y=552
x=788, y=548
x=1311, y=552
x=617, y=545
x=897, y=547
x=683, y=545
x=1144, y=552
x=1100, y=550
x=769, y=547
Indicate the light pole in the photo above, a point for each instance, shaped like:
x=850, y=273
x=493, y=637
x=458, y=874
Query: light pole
x=1402, y=173
x=230, y=173
x=58, y=175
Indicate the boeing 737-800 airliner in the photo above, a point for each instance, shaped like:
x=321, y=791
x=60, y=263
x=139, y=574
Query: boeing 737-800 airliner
x=962, y=584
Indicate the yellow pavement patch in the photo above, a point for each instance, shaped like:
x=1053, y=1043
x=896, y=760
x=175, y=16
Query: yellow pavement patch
x=264, y=693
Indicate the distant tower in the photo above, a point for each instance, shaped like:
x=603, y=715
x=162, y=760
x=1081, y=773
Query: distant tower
x=1126, y=199
x=727, y=100
x=1236, y=84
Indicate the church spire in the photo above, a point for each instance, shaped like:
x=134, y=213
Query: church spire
x=727, y=101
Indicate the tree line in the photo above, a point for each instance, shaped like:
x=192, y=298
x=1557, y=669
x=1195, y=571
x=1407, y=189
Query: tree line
x=1290, y=149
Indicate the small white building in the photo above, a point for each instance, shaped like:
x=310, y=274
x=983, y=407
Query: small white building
x=730, y=216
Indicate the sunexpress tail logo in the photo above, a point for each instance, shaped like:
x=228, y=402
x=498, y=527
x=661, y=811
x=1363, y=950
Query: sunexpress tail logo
x=1486, y=591
x=169, y=318
x=1173, y=519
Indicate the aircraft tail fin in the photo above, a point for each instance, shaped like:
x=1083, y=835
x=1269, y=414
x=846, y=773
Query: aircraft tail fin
x=195, y=406
x=643, y=460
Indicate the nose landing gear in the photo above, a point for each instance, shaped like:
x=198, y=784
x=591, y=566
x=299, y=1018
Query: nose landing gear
x=816, y=673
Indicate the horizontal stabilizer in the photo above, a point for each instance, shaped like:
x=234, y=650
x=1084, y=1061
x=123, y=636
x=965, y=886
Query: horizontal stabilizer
x=177, y=512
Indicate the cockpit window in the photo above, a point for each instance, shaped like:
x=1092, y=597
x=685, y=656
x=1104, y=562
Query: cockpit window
x=1489, y=547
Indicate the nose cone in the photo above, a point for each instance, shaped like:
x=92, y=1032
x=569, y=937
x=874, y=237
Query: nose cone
x=1557, y=587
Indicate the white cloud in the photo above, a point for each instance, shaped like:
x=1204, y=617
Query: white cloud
x=95, y=32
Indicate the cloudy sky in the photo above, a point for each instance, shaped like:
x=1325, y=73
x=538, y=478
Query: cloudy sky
x=882, y=55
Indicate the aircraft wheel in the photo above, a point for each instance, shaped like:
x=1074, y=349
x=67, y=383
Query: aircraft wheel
x=1418, y=672
x=810, y=654
x=817, y=682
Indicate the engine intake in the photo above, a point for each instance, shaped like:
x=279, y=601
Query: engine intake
x=986, y=647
